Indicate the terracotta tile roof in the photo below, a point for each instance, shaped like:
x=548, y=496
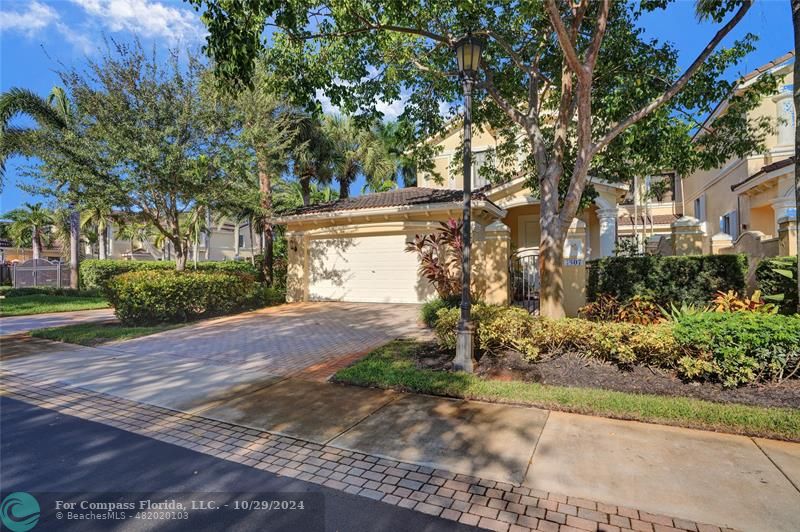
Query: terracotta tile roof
x=766, y=169
x=392, y=198
x=763, y=68
x=657, y=219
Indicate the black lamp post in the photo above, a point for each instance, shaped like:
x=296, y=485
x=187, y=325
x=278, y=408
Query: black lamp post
x=468, y=53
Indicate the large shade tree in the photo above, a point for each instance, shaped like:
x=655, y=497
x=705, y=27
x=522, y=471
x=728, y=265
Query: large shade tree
x=160, y=142
x=575, y=87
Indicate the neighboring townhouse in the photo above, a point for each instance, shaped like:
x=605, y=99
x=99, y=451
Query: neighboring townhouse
x=227, y=240
x=753, y=193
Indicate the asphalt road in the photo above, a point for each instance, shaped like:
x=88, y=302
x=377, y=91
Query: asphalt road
x=59, y=457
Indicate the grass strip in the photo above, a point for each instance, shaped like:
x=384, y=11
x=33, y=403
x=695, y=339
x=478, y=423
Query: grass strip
x=97, y=333
x=44, y=303
x=393, y=366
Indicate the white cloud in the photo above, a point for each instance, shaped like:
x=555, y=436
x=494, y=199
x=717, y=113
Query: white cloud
x=30, y=21
x=146, y=18
x=80, y=40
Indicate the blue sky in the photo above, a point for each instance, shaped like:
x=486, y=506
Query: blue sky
x=36, y=36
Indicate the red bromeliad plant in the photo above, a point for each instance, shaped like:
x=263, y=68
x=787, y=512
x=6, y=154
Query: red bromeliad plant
x=440, y=257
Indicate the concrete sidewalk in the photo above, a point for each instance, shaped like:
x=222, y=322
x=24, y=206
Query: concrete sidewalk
x=18, y=324
x=740, y=482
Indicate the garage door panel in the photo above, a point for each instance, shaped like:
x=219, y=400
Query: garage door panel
x=365, y=269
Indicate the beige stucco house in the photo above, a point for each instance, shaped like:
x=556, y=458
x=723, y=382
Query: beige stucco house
x=354, y=249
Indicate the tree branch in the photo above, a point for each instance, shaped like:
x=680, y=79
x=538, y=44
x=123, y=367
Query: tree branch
x=564, y=38
x=619, y=127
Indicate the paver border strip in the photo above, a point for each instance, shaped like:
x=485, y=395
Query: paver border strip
x=470, y=500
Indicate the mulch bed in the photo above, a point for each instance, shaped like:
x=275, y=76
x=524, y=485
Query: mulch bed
x=571, y=369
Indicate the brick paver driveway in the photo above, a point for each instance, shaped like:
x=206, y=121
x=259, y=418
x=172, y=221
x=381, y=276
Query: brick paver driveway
x=184, y=367
x=283, y=340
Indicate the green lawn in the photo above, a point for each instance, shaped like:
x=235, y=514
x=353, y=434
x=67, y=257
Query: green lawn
x=98, y=333
x=393, y=366
x=41, y=303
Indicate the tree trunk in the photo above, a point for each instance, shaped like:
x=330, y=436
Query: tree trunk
x=796, y=89
x=74, y=242
x=102, y=241
x=305, y=187
x=208, y=234
x=36, y=243
x=551, y=269
x=344, y=188
x=181, y=250
x=265, y=197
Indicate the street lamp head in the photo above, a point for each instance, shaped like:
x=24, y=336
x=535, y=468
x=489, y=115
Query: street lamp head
x=468, y=54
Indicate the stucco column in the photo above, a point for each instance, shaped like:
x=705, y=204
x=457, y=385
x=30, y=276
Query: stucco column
x=787, y=236
x=786, y=116
x=608, y=231
x=490, y=270
x=783, y=207
x=719, y=242
x=687, y=236
x=296, y=267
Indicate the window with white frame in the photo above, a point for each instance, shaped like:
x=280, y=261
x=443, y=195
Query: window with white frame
x=241, y=241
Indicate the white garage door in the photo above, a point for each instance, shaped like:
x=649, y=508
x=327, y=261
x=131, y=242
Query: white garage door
x=372, y=269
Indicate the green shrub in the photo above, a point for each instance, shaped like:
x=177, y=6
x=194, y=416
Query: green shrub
x=147, y=297
x=621, y=343
x=96, y=273
x=778, y=277
x=500, y=328
x=271, y=296
x=692, y=280
x=432, y=307
x=738, y=347
x=48, y=291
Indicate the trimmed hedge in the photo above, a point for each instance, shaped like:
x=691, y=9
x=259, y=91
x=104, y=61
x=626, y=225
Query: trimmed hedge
x=692, y=280
x=739, y=347
x=147, y=297
x=772, y=283
x=96, y=273
x=8, y=291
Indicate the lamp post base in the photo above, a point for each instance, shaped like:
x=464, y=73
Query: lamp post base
x=464, y=346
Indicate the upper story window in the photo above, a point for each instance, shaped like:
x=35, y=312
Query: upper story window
x=700, y=208
x=478, y=161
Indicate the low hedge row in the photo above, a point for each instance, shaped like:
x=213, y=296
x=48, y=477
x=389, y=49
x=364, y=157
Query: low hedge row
x=772, y=280
x=96, y=273
x=693, y=280
x=733, y=348
x=146, y=297
x=8, y=291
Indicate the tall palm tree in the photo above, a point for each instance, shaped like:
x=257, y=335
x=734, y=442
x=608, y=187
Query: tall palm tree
x=100, y=217
x=312, y=154
x=55, y=113
x=30, y=222
x=356, y=151
x=393, y=139
x=289, y=194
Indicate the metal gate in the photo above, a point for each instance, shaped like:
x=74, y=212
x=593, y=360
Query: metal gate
x=40, y=272
x=524, y=275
